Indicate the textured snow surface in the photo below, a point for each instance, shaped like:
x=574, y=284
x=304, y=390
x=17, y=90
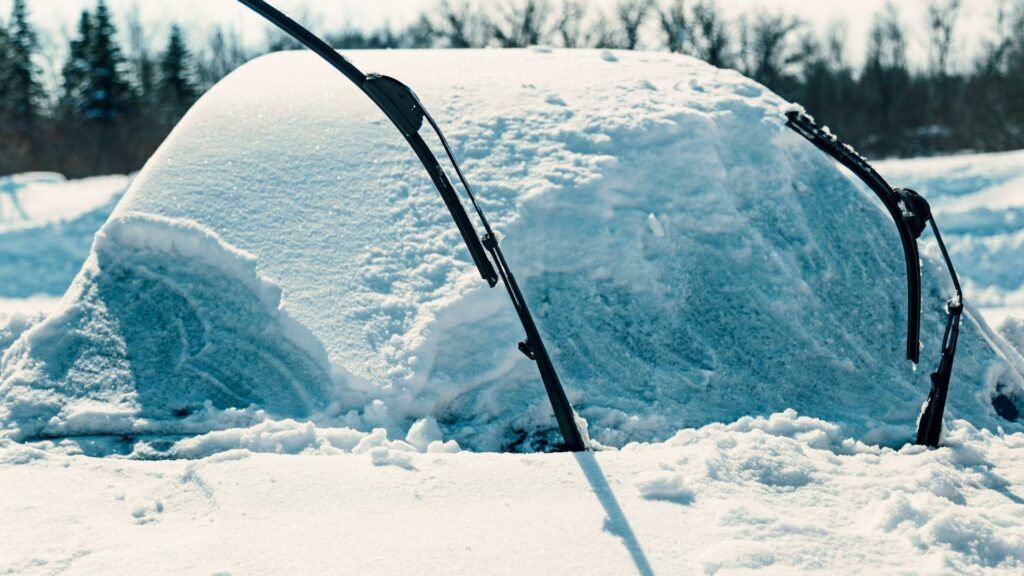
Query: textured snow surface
x=689, y=260
x=782, y=495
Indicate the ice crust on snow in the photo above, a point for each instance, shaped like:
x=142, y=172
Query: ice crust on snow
x=284, y=256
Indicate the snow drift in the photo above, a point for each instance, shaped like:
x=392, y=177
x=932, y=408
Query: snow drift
x=283, y=255
x=785, y=494
x=46, y=225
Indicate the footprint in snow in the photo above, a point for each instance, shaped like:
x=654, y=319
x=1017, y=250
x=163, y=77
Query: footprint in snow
x=147, y=513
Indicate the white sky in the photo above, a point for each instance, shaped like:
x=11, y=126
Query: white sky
x=57, y=17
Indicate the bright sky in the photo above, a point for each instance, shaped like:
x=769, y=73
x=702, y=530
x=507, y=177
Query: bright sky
x=59, y=16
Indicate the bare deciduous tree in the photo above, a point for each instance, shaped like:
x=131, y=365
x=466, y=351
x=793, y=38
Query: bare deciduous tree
x=138, y=53
x=996, y=48
x=457, y=25
x=768, y=52
x=942, y=16
x=569, y=25
x=674, y=24
x=709, y=34
x=604, y=33
x=521, y=23
x=631, y=17
x=224, y=52
x=887, y=43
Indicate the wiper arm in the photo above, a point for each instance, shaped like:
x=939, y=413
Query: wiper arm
x=929, y=426
x=401, y=105
x=911, y=214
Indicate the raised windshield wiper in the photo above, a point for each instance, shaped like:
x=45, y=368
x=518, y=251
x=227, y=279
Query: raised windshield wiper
x=407, y=113
x=912, y=215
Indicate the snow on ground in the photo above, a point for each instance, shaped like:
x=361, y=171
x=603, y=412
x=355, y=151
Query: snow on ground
x=784, y=495
x=979, y=199
x=279, y=345
x=47, y=224
x=39, y=199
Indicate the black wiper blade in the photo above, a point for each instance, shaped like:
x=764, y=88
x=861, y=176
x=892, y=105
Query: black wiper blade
x=848, y=157
x=403, y=108
x=401, y=105
x=911, y=214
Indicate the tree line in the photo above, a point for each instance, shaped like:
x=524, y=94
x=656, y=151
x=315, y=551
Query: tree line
x=119, y=93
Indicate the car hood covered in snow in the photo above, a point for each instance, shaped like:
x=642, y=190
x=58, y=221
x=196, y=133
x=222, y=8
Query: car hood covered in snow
x=284, y=255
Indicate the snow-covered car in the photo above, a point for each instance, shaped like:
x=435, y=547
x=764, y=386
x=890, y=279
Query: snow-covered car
x=282, y=277
x=689, y=259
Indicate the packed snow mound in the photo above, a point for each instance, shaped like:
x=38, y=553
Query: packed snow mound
x=687, y=258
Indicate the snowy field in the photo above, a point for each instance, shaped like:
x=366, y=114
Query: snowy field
x=276, y=357
x=980, y=200
x=783, y=496
x=47, y=225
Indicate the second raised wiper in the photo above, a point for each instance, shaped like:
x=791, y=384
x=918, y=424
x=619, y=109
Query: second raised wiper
x=911, y=214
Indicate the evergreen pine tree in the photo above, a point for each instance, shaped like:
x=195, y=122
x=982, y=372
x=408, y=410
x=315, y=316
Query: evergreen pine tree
x=110, y=95
x=8, y=163
x=23, y=93
x=176, y=86
x=4, y=61
x=75, y=74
